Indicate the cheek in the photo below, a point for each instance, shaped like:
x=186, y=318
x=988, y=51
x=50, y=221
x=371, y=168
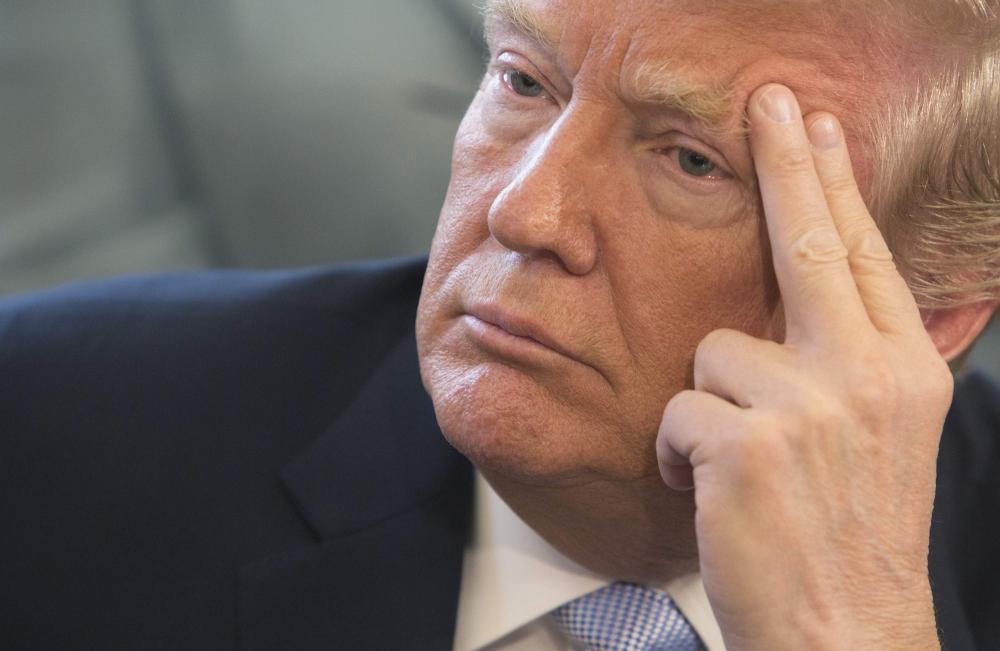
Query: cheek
x=694, y=282
x=711, y=205
x=477, y=176
x=482, y=165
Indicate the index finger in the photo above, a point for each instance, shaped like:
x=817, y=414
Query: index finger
x=810, y=259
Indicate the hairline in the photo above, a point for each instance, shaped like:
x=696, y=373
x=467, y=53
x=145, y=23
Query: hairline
x=652, y=82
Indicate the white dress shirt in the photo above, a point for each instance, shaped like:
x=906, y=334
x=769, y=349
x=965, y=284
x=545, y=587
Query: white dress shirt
x=512, y=578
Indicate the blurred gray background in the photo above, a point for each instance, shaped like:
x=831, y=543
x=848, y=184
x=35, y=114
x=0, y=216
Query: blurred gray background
x=144, y=135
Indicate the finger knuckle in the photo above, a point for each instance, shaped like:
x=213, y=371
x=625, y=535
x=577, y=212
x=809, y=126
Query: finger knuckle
x=938, y=384
x=856, y=234
x=818, y=416
x=765, y=426
x=865, y=238
x=883, y=386
x=870, y=267
x=762, y=447
x=871, y=259
x=677, y=409
x=808, y=406
x=713, y=345
x=874, y=385
x=820, y=245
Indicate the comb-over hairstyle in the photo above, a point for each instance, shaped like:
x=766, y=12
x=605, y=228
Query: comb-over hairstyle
x=936, y=181
x=935, y=143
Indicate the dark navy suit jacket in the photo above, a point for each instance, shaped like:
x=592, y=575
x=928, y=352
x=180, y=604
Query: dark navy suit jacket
x=236, y=460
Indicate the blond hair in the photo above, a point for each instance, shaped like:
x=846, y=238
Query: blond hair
x=936, y=182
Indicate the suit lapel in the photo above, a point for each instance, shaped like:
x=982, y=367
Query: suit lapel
x=390, y=502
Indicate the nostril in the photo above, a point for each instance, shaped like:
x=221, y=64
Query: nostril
x=553, y=232
x=533, y=216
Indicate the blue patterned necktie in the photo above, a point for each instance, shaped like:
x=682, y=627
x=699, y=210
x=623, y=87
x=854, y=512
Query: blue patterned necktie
x=627, y=617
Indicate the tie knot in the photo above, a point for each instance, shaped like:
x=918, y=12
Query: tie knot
x=627, y=617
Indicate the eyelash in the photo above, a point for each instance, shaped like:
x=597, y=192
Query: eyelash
x=502, y=70
x=718, y=174
x=674, y=151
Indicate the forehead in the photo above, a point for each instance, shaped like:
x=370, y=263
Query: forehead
x=726, y=46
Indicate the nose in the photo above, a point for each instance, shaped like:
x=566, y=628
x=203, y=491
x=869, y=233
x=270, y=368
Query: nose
x=544, y=210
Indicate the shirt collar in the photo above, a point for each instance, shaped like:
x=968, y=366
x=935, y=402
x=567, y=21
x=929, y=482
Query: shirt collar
x=511, y=576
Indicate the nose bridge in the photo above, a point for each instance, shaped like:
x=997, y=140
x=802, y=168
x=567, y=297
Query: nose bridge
x=545, y=209
x=564, y=152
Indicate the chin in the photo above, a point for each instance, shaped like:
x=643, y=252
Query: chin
x=509, y=423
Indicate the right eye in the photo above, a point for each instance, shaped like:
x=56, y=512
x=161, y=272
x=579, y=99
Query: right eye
x=694, y=163
x=522, y=84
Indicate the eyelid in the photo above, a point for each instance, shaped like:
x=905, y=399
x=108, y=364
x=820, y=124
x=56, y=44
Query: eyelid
x=507, y=61
x=704, y=185
x=720, y=171
x=718, y=175
x=678, y=140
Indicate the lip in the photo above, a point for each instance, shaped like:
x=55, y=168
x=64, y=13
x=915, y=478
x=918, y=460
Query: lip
x=519, y=331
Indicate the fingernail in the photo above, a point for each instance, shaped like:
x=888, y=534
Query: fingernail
x=824, y=134
x=778, y=104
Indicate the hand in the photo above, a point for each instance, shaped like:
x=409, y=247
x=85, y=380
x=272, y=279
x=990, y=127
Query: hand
x=813, y=461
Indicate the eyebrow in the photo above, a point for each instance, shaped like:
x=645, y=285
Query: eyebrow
x=652, y=82
x=658, y=83
x=521, y=17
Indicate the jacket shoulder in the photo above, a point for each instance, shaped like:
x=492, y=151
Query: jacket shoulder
x=214, y=315
x=965, y=568
x=145, y=422
x=153, y=335
x=358, y=289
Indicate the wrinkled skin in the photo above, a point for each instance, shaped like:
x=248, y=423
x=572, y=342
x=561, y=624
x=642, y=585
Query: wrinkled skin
x=590, y=242
x=813, y=460
x=571, y=209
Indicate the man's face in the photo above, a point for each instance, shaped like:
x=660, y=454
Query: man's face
x=603, y=217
